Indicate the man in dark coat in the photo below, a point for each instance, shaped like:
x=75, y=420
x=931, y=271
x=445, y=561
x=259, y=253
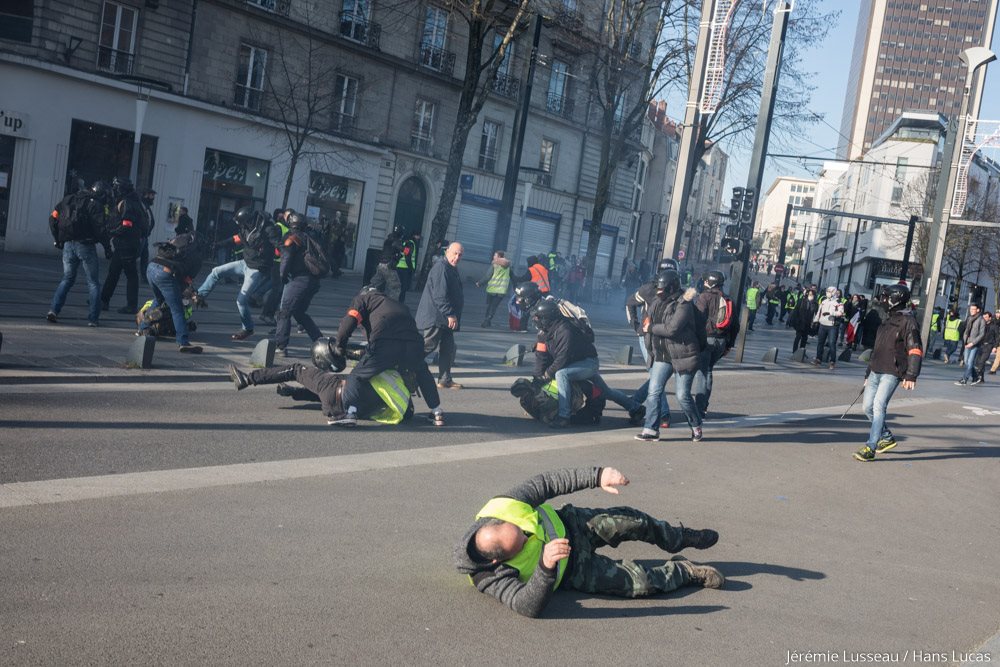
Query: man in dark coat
x=439, y=313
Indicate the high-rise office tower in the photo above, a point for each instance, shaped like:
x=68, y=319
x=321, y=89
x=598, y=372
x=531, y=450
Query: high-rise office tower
x=906, y=59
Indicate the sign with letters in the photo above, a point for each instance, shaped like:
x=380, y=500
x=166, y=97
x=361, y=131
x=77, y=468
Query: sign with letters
x=13, y=123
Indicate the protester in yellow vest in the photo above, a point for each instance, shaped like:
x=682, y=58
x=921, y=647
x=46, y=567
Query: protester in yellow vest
x=952, y=333
x=518, y=550
x=497, y=280
x=753, y=302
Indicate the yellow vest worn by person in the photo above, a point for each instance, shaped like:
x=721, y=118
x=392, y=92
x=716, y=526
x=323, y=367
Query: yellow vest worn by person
x=541, y=524
x=951, y=329
x=752, y=298
x=401, y=264
x=391, y=388
x=499, y=281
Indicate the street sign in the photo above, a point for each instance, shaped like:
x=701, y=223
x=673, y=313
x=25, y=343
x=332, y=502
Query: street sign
x=680, y=254
x=779, y=269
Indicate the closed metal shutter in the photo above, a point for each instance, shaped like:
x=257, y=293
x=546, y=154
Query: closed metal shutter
x=605, y=249
x=476, y=227
x=539, y=239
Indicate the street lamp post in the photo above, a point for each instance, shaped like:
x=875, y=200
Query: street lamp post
x=141, y=102
x=973, y=59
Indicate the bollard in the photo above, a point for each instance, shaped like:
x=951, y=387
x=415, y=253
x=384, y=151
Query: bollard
x=865, y=356
x=845, y=356
x=799, y=355
x=140, y=353
x=514, y=355
x=771, y=356
x=263, y=354
x=624, y=355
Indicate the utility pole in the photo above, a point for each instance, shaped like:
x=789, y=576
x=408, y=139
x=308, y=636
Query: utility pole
x=684, y=174
x=910, y=228
x=854, y=254
x=501, y=237
x=826, y=240
x=784, y=234
x=767, y=99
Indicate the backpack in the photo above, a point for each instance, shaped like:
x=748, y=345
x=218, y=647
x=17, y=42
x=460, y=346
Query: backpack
x=73, y=220
x=182, y=251
x=577, y=316
x=722, y=318
x=314, y=257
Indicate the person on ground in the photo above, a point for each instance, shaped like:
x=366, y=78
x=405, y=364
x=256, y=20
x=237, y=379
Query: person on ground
x=896, y=359
x=439, y=313
x=974, y=334
x=300, y=286
x=565, y=352
x=520, y=549
x=676, y=339
x=78, y=224
x=497, y=281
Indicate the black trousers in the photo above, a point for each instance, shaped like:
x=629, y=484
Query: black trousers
x=128, y=266
x=492, y=302
x=270, y=306
x=381, y=355
x=319, y=386
x=295, y=300
x=442, y=339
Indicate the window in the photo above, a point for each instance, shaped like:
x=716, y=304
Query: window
x=422, y=136
x=354, y=19
x=276, y=6
x=508, y=55
x=250, y=77
x=556, y=98
x=16, y=19
x=116, y=41
x=547, y=162
x=432, y=42
x=345, y=90
x=898, y=179
x=489, y=145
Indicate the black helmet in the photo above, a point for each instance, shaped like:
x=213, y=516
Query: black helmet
x=296, y=221
x=324, y=356
x=715, y=279
x=527, y=295
x=399, y=231
x=896, y=296
x=667, y=263
x=121, y=186
x=245, y=217
x=545, y=313
x=668, y=281
x=100, y=190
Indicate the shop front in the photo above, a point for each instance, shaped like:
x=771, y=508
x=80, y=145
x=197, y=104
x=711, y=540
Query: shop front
x=334, y=205
x=229, y=182
x=101, y=152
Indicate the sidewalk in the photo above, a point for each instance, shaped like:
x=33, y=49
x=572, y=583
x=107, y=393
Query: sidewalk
x=34, y=350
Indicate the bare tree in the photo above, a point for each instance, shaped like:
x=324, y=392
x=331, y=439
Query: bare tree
x=634, y=57
x=482, y=19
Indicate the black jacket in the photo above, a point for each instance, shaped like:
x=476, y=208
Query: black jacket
x=561, y=345
x=257, y=240
x=88, y=224
x=128, y=226
x=382, y=319
x=870, y=324
x=707, y=304
x=293, y=250
x=803, y=315
x=678, y=326
x=637, y=306
x=898, y=350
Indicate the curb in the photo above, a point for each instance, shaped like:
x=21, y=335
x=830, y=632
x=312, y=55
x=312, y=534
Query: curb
x=109, y=379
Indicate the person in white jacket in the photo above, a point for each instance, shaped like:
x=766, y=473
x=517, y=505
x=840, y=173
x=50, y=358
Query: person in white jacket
x=829, y=316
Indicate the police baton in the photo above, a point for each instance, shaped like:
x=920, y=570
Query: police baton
x=853, y=402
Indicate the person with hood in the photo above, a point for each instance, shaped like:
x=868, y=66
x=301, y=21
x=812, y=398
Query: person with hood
x=802, y=319
x=521, y=550
x=830, y=313
x=896, y=359
x=497, y=281
x=675, y=337
x=386, y=278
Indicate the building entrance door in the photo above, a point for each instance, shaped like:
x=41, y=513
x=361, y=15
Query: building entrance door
x=6, y=169
x=411, y=203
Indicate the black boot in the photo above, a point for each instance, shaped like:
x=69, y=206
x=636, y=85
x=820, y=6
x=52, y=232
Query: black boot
x=698, y=539
x=239, y=378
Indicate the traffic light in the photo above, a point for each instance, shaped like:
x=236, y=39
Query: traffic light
x=736, y=203
x=732, y=246
x=746, y=209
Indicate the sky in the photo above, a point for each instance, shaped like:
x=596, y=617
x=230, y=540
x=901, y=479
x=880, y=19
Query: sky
x=831, y=61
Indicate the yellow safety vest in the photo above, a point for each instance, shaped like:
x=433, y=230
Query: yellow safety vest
x=284, y=230
x=752, y=298
x=541, y=524
x=401, y=264
x=935, y=318
x=951, y=328
x=391, y=388
x=499, y=281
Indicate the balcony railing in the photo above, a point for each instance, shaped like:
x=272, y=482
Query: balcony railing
x=247, y=97
x=276, y=6
x=421, y=143
x=559, y=105
x=357, y=28
x=570, y=19
x=544, y=179
x=342, y=123
x=488, y=160
x=437, y=59
x=506, y=86
x=116, y=62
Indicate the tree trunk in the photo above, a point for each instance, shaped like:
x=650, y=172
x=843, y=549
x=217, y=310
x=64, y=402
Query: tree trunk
x=602, y=196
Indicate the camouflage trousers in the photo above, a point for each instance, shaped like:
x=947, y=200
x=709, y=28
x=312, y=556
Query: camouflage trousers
x=590, y=572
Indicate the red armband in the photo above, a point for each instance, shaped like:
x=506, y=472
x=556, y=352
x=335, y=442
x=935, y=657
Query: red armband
x=236, y=238
x=127, y=223
x=355, y=314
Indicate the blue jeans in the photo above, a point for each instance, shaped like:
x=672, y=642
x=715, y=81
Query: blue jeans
x=710, y=356
x=827, y=338
x=74, y=254
x=659, y=373
x=586, y=369
x=235, y=269
x=167, y=289
x=878, y=391
x=969, y=359
x=642, y=393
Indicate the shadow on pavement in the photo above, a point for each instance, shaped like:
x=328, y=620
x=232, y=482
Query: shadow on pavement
x=569, y=606
x=745, y=569
x=940, y=453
